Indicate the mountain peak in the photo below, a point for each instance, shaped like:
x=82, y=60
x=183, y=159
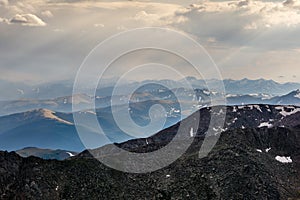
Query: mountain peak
x=49, y=114
x=295, y=93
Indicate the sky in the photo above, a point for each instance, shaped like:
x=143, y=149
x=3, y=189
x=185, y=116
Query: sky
x=47, y=40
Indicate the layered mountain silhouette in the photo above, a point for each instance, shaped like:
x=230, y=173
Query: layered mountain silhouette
x=16, y=91
x=256, y=157
x=49, y=130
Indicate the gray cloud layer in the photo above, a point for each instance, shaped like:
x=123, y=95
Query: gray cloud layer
x=247, y=38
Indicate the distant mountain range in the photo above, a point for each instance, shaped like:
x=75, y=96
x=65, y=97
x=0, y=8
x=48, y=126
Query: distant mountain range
x=49, y=124
x=44, y=128
x=47, y=154
x=191, y=100
x=292, y=98
x=16, y=91
x=49, y=130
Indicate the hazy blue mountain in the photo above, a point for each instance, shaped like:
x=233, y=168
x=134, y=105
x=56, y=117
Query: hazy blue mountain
x=47, y=154
x=293, y=98
x=38, y=128
x=44, y=128
x=190, y=100
x=246, y=86
x=16, y=91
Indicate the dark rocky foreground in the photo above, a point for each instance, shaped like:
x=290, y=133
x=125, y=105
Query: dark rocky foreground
x=233, y=170
x=241, y=166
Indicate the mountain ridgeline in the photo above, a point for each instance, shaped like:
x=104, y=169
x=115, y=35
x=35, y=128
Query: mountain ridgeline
x=49, y=130
x=256, y=157
x=15, y=91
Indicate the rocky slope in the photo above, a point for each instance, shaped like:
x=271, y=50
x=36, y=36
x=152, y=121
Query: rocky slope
x=255, y=162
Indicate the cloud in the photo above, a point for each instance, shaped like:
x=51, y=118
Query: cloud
x=27, y=20
x=99, y=25
x=143, y=15
x=263, y=13
x=239, y=34
x=47, y=13
x=157, y=19
x=265, y=24
x=291, y=3
x=3, y=2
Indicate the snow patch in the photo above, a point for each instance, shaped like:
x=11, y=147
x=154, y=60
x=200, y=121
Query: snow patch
x=206, y=92
x=91, y=112
x=234, y=109
x=284, y=113
x=283, y=159
x=258, y=150
x=279, y=108
x=234, y=120
x=231, y=95
x=192, y=134
x=70, y=154
x=265, y=124
x=258, y=108
x=50, y=115
x=215, y=129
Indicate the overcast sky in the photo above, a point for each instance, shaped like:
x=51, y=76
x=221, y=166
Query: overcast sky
x=43, y=41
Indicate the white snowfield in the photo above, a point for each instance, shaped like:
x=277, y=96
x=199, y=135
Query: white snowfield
x=70, y=154
x=192, y=134
x=283, y=159
x=284, y=113
x=265, y=124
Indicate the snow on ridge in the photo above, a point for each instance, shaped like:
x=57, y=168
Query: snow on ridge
x=268, y=149
x=265, y=124
x=234, y=109
x=91, y=112
x=284, y=159
x=70, y=154
x=206, y=92
x=231, y=95
x=50, y=115
x=284, y=113
x=258, y=108
x=279, y=107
